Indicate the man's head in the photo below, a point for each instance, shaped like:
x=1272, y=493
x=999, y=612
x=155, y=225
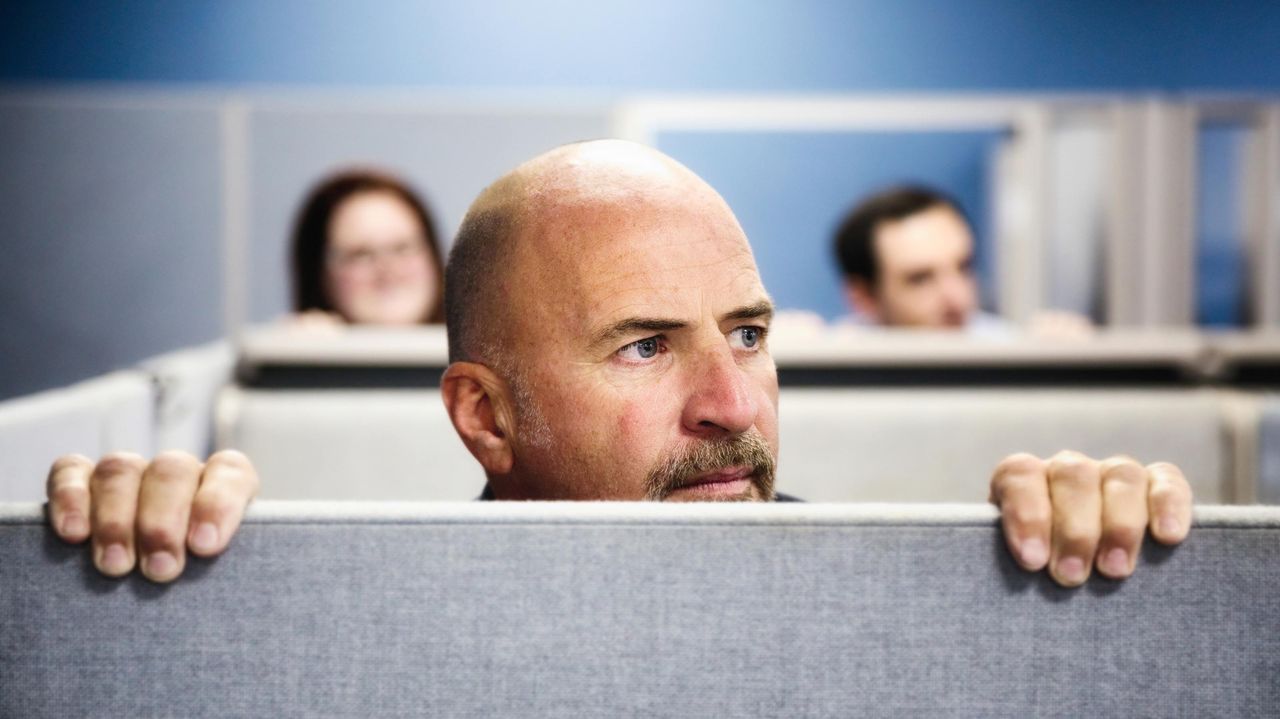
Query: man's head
x=607, y=334
x=907, y=259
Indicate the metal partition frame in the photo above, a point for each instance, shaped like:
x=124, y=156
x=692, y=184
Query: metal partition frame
x=1150, y=230
x=1262, y=215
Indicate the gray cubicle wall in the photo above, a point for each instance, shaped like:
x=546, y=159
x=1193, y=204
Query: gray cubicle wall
x=450, y=150
x=575, y=609
x=109, y=232
x=122, y=207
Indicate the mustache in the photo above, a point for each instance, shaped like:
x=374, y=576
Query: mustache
x=743, y=450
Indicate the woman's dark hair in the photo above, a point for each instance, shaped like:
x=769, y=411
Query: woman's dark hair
x=310, y=242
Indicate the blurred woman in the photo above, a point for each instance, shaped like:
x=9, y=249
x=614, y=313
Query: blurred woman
x=365, y=251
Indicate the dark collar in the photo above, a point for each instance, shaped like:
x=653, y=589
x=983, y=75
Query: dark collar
x=487, y=496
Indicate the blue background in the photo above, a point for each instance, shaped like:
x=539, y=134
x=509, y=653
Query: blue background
x=776, y=45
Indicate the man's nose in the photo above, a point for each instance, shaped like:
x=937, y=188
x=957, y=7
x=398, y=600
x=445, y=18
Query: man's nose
x=720, y=400
x=959, y=293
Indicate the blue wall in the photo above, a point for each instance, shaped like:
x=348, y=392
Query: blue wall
x=609, y=45
x=791, y=190
x=1220, y=231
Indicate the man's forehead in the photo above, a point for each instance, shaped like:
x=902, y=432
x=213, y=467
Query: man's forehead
x=937, y=234
x=654, y=253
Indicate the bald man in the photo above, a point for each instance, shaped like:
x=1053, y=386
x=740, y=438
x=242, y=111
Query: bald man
x=608, y=338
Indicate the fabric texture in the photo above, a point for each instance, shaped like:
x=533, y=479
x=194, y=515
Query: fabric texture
x=1269, y=452
x=541, y=610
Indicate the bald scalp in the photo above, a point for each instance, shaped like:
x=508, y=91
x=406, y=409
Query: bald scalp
x=478, y=308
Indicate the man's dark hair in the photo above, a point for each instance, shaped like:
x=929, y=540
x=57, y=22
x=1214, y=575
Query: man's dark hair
x=481, y=252
x=855, y=239
x=310, y=242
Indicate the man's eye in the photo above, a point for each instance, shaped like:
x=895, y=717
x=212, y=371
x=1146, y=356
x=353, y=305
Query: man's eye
x=748, y=337
x=919, y=279
x=646, y=348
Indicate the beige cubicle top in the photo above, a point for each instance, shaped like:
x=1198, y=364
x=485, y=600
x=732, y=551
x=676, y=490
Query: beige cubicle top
x=345, y=345
x=824, y=356
x=922, y=348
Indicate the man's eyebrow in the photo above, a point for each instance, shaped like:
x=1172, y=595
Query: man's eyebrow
x=755, y=311
x=633, y=325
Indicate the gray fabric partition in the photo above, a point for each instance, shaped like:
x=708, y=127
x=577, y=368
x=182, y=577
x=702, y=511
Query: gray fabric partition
x=108, y=413
x=1269, y=452
x=639, y=610
x=111, y=228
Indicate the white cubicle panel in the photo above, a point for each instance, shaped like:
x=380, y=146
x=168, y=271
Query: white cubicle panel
x=344, y=444
x=837, y=445
x=109, y=413
x=187, y=383
x=899, y=445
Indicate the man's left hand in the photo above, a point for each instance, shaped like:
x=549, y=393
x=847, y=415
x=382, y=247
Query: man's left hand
x=1071, y=512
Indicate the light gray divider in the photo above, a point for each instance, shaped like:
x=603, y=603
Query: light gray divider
x=941, y=445
x=108, y=413
x=1269, y=452
x=381, y=445
x=640, y=610
x=838, y=445
x=187, y=383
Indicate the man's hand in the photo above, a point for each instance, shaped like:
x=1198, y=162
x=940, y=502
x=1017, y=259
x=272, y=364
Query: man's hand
x=1071, y=512
x=156, y=511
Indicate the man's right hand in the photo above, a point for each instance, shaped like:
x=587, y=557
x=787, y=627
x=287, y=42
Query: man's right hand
x=149, y=514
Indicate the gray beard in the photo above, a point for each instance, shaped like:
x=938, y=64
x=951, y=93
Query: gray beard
x=749, y=450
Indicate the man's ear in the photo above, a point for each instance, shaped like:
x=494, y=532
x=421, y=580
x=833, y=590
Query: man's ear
x=478, y=404
x=862, y=298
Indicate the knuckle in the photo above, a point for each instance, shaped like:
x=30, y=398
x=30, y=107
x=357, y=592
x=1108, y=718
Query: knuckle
x=1163, y=493
x=67, y=494
x=1124, y=536
x=1076, y=535
x=69, y=462
x=235, y=467
x=1020, y=464
x=113, y=530
x=65, y=469
x=1029, y=514
x=231, y=459
x=1121, y=463
x=118, y=463
x=173, y=466
x=158, y=534
x=1073, y=470
x=214, y=504
x=1123, y=470
x=1165, y=468
x=1067, y=455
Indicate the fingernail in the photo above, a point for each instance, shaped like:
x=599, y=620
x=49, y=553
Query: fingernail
x=73, y=525
x=1169, y=526
x=1071, y=569
x=1116, y=562
x=1034, y=553
x=114, y=559
x=160, y=565
x=205, y=537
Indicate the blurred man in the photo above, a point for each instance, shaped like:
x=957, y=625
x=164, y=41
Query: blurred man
x=608, y=339
x=906, y=255
x=907, y=259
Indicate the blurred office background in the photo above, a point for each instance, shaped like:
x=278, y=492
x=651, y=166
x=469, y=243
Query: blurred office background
x=1112, y=155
